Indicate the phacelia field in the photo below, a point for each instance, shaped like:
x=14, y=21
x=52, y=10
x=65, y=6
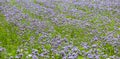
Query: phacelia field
x=59, y=29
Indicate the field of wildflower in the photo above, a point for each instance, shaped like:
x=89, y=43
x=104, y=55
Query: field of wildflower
x=59, y=29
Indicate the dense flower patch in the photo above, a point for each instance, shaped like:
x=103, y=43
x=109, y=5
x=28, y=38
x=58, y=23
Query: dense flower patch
x=59, y=29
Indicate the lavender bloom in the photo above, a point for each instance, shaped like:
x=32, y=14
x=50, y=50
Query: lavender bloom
x=90, y=56
x=74, y=49
x=75, y=55
x=66, y=48
x=63, y=54
x=34, y=57
x=95, y=38
x=2, y=49
x=97, y=57
x=17, y=57
x=85, y=45
x=0, y=8
x=71, y=57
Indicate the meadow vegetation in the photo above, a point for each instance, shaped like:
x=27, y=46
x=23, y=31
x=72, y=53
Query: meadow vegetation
x=59, y=29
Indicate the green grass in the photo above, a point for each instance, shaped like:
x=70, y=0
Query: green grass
x=11, y=40
x=8, y=36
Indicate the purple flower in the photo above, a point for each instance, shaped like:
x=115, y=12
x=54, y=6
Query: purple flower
x=95, y=38
x=0, y=8
x=74, y=49
x=34, y=57
x=85, y=45
x=97, y=57
x=71, y=57
x=63, y=53
x=2, y=49
x=90, y=55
